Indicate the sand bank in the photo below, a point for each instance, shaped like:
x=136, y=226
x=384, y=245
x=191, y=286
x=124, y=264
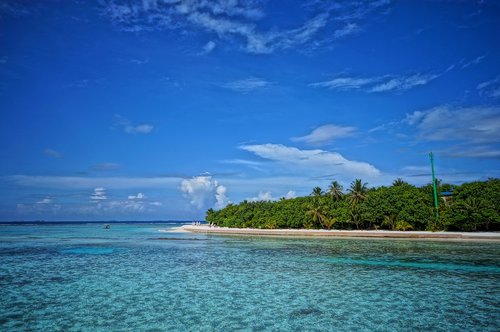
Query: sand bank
x=178, y=229
x=489, y=236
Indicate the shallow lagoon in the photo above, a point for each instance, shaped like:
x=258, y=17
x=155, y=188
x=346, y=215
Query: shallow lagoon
x=132, y=277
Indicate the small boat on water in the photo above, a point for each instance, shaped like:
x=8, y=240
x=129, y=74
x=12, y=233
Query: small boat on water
x=106, y=226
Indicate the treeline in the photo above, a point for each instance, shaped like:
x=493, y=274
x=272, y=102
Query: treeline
x=473, y=206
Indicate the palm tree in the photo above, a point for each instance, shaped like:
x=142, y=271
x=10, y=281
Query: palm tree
x=355, y=216
x=329, y=222
x=390, y=220
x=335, y=191
x=357, y=192
x=317, y=214
x=398, y=182
x=317, y=192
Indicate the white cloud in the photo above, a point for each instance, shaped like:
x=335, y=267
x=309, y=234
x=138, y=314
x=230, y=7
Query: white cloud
x=203, y=191
x=312, y=161
x=267, y=196
x=99, y=194
x=130, y=128
x=45, y=200
x=250, y=163
x=348, y=29
x=209, y=47
x=138, y=196
x=131, y=205
x=221, y=199
x=256, y=165
x=140, y=129
x=247, y=85
x=52, y=153
x=326, y=134
x=298, y=36
x=479, y=124
x=403, y=83
x=486, y=84
x=115, y=208
x=414, y=118
x=490, y=88
x=474, y=61
x=347, y=83
x=262, y=196
x=386, y=83
x=235, y=20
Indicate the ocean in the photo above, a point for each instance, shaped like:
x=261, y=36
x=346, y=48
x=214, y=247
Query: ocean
x=134, y=277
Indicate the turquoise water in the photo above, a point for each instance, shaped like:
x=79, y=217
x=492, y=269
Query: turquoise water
x=132, y=277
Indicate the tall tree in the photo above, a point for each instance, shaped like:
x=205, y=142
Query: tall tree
x=335, y=191
x=316, y=211
x=357, y=192
x=399, y=182
x=355, y=216
x=317, y=192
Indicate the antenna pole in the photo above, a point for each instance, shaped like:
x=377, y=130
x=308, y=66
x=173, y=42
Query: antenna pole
x=436, y=204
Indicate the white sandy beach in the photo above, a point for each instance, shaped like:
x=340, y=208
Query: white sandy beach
x=316, y=233
x=178, y=229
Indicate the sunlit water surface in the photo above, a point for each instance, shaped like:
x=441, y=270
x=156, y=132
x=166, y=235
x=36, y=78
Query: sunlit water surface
x=133, y=277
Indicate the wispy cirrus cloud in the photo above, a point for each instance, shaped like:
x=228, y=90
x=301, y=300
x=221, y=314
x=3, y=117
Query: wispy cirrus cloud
x=481, y=151
x=247, y=85
x=463, y=132
x=312, y=161
x=238, y=20
x=473, y=131
x=473, y=62
x=403, y=83
x=479, y=124
x=326, y=134
x=386, y=83
x=490, y=88
x=346, y=30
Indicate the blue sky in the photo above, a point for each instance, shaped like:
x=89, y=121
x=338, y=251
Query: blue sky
x=157, y=110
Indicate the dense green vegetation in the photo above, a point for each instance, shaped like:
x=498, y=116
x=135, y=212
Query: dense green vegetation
x=473, y=206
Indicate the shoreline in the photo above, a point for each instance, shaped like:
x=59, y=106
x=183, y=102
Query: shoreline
x=320, y=233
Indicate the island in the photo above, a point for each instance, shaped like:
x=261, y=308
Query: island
x=386, y=211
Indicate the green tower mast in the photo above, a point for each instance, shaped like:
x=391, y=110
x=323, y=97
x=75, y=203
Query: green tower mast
x=434, y=186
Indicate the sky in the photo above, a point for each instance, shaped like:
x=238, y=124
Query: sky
x=161, y=109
